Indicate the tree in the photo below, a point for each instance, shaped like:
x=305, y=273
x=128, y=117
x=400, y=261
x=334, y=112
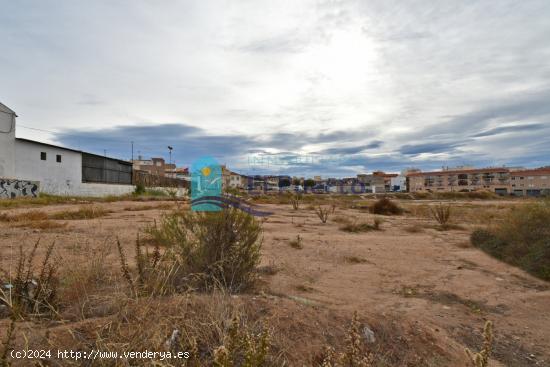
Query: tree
x=309, y=183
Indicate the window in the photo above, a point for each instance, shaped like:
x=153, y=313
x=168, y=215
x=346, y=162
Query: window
x=58, y=158
x=43, y=156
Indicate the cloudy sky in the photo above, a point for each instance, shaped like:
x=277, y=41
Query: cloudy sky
x=310, y=87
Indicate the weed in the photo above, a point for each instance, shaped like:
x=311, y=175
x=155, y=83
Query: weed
x=355, y=353
x=140, y=189
x=296, y=200
x=481, y=359
x=296, y=243
x=322, y=213
x=442, y=214
x=385, y=206
x=32, y=291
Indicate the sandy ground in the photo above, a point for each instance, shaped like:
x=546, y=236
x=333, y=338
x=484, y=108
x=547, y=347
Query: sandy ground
x=431, y=278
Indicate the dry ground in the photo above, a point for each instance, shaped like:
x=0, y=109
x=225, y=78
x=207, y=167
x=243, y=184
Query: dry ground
x=417, y=286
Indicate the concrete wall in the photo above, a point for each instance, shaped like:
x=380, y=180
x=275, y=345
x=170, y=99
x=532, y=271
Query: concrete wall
x=99, y=190
x=11, y=188
x=7, y=142
x=59, y=178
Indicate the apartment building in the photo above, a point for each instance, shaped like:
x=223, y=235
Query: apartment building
x=496, y=180
x=500, y=180
x=533, y=182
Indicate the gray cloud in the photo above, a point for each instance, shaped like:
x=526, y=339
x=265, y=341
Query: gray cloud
x=508, y=129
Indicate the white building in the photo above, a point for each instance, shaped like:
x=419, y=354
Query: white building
x=399, y=183
x=55, y=170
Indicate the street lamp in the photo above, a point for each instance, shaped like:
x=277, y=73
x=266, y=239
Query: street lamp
x=170, y=151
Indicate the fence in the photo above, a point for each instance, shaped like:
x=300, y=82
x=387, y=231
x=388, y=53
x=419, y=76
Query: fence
x=98, y=169
x=149, y=180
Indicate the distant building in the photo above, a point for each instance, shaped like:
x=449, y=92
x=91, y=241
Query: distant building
x=533, y=182
x=154, y=166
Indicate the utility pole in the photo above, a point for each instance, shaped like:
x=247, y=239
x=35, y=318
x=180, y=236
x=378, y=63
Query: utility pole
x=170, y=151
x=132, y=151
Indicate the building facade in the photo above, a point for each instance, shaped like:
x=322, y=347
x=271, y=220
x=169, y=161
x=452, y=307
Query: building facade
x=55, y=170
x=500, y=180
x=534, y=182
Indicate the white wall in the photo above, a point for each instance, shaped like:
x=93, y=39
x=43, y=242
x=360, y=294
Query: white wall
x=7, y=141
x=55, y=178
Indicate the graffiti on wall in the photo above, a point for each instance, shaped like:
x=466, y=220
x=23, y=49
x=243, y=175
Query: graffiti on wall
x=14, y=188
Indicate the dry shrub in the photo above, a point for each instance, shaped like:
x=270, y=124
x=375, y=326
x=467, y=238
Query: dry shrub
x=296, y=243
x=323, y=213
x=385, y=206
x=210, y=249
x=84, y=212
x=31, y=291
x=522, y=238
x=442, y=214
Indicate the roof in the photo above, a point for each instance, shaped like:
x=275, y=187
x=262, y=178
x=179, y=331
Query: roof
x=48, y=145
x=4, y=107
x=452, y=172
x=69, y=149
x=532, y=172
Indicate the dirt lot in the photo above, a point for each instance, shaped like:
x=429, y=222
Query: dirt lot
x=428, y=285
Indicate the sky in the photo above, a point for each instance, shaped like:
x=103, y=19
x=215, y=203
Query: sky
x=329, y=88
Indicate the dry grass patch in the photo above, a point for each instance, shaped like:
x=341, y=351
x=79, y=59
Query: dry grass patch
x=414, y=228
x=84, y=212
x=357, y=227
x=144, y=207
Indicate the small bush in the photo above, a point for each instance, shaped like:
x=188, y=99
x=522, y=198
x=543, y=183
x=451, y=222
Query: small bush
x=210, y=249
x=442, y=214
x=322, y=213
x=521, y=239
x=385, y=206
x=296, y=243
